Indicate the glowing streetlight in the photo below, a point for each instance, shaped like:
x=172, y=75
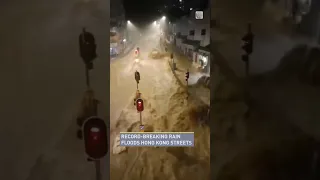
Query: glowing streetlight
x=128, y=22
x=154, y=22
x=163, y=17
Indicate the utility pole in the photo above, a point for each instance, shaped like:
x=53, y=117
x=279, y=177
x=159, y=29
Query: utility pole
x=187, y=78
x=248, y=48
x=98, y=169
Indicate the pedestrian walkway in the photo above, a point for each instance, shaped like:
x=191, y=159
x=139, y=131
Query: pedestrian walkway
x=126, y=51
x=183, y=64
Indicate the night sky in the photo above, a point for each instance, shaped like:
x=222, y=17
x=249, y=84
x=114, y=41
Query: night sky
x=143, y=11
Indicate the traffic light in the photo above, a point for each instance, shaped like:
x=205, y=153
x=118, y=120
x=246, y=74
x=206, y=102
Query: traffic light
x=137, y=76
x=248, y=40
x=95, y=138
x=139, y=104
x=187, y=76
x=87, y=46
x=248, y=43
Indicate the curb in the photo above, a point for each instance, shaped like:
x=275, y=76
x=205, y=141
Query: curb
x=121, y=55
x=176, y=76
x=190, y=95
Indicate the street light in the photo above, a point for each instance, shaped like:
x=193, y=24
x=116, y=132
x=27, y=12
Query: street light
x=155, y=22
x=163, y=17
x=128, y=22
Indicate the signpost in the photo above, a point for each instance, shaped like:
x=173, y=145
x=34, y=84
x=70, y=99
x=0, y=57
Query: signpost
x=141, y=128
x=140, y=108
x=138, y=102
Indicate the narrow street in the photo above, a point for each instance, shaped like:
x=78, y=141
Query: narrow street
x=154, y=76
x=166, y=110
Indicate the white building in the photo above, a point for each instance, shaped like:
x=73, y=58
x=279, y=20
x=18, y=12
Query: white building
x=192, y=37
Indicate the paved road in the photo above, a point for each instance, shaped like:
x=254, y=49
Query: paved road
x=42, y=76
x=154, y=76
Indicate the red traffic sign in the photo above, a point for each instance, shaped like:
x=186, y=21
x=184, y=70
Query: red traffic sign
x=95, y=137
x=141, y=128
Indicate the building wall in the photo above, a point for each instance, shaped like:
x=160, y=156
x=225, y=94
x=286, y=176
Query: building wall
x=186, y=24
x=117, y=27
x=178, y=42
x=117, y=13
x=204, y=39
x=189, y=50
x=117, y=17
x=182, y=26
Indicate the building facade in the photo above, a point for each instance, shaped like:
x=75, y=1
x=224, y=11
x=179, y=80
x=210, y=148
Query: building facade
x=192, y=37
x=117, y=28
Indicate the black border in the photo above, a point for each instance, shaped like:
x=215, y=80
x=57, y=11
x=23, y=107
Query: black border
x=108, y=85
x=211, y=90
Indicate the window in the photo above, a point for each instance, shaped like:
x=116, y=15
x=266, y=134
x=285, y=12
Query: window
x=203, y=32
x=191, y=33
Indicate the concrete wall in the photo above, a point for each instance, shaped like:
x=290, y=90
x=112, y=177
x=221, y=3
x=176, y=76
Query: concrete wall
x=179, y=43
x=205, y=39
x=182, y=26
